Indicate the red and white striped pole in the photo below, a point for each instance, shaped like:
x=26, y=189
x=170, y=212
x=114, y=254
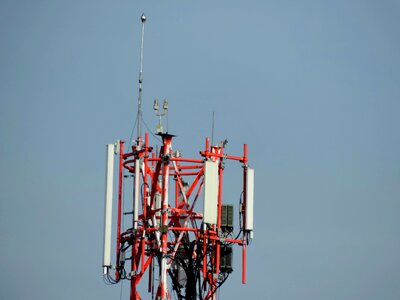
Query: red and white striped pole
x=164, y=217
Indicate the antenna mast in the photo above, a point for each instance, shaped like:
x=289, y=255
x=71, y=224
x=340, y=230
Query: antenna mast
x=139, y=113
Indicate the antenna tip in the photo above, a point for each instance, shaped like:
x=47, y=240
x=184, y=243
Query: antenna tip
x=143, y=18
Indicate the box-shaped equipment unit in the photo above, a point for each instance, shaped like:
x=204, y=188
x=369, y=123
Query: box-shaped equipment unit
x=227, y=218
x=226, y=259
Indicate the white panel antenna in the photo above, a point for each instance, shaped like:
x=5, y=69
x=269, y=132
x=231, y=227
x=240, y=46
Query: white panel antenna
x=249, y=199
x=108, y=207
x=137, y=194
x=211, y=183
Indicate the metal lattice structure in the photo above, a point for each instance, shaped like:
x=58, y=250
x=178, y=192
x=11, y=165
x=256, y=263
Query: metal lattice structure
x=181, y=233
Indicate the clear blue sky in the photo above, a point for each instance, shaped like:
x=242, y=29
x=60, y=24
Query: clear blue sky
x=313, y=87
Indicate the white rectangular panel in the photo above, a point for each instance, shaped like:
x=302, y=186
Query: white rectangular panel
x=211, y=183
x=137, y=194
x=157, y=206
x=249, y=199
x=108, y=206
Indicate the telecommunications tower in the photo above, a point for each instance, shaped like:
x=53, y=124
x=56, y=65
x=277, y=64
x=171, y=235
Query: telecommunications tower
x=180, y=235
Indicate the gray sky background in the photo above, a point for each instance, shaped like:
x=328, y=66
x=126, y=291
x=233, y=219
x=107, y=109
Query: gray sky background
x=312, y=86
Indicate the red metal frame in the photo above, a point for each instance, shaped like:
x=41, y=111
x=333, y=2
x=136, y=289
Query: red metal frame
x=159, y=235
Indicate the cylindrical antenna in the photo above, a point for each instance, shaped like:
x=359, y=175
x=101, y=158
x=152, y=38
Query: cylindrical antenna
x=139, y=113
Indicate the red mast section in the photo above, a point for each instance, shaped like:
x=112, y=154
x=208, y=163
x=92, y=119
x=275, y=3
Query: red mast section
x=181, y=236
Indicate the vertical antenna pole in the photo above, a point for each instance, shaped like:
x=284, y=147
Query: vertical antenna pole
x=139, y=113
x=120, y=175
x=244, y=209
x=218, y=246
x=212, y=130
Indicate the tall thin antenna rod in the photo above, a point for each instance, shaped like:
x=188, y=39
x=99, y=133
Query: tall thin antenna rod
x=212, y=129
x=139, y=113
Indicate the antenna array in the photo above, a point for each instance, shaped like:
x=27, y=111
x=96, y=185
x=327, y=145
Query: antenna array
x=181, y=234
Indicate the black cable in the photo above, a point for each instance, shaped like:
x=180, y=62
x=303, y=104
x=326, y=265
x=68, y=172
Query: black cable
x=176, y=285
x=221, y=283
